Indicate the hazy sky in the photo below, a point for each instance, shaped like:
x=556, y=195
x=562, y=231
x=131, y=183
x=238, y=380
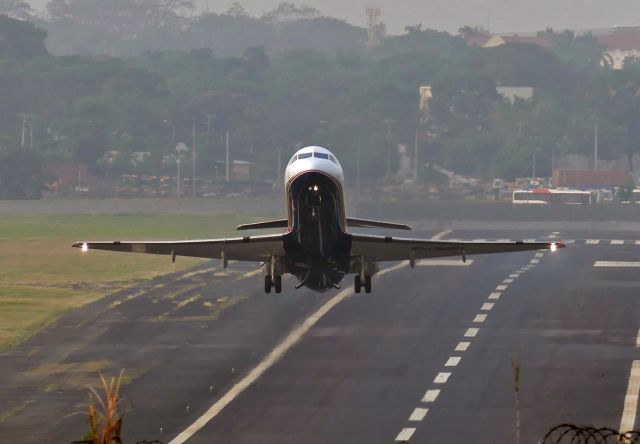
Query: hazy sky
x=502, y=15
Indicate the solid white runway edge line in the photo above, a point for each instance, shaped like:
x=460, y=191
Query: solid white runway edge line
x=272, y=358
x=631, y=399
x=616, y=264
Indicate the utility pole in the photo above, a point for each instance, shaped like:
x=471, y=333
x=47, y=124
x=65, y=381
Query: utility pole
x=389, y=122
x=416, y=143
x=173, y=130
x=193, y=159
x=595, y=147
x=209, y=116
x=226, y=158
x=23, y=137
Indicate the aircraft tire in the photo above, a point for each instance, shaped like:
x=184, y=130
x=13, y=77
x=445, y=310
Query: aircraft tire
x=267, y=283
x=367, y=284
x=357, y=283
x=277, y=283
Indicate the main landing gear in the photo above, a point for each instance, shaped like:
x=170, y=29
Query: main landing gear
x=357, y=283
x=274, y=282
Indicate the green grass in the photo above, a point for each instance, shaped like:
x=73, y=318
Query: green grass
x=41, y=276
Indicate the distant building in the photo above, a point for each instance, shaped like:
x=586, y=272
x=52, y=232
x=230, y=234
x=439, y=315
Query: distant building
x=512, y=92
x=621, y=45
x=495, y=40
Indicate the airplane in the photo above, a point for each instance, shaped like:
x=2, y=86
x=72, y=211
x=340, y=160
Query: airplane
x=317, y=248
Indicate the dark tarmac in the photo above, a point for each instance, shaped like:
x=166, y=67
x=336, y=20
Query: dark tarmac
x=375, y=369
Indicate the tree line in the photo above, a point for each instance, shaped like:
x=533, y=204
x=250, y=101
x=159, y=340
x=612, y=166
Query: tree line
x=360, y=102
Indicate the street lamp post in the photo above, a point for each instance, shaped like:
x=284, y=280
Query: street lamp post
x=173, y=130
x=180, y=148
x=533, y=168
x=193, y=159
x=389, y=122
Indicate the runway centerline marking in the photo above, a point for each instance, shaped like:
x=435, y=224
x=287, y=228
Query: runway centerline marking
x=508, y=281
x=471, y=332
x=501, y=287
x=453, y=361
x=405, y=434
x=534, y=261
x=638, y=242
x=480, y=318
x=514, y=275
x=631, y=399
x=487, y=306
x=617, y=242
x=592, y=241
x=418, y=414
x=462, y=346
x=495, y=295
x=431, y=395
x=611, y=264
x=442, y=378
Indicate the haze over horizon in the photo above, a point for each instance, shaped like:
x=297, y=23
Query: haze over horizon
x=450, y=15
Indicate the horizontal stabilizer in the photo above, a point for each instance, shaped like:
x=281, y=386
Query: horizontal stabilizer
x=282, y=223
x=365, y=223
x=351, y=221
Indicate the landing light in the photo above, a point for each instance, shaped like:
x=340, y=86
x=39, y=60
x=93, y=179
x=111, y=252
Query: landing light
x=554, y=246
x=85, y=248
x=315, y=188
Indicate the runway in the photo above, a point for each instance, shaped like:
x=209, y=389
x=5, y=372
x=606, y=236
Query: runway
x=428, y=357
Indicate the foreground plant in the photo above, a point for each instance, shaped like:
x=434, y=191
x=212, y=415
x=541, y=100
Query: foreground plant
x=105, y=416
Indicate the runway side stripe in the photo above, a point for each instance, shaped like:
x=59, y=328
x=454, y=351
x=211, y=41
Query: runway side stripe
x=631, y=399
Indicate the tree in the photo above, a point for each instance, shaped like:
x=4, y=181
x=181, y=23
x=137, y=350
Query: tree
x=16, y=9
x=20, y=175
x=20, y=40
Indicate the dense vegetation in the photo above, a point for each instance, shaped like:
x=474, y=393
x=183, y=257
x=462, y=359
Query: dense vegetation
x=289, y=78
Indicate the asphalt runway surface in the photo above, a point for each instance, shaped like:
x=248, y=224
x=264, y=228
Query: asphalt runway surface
x=428, y=357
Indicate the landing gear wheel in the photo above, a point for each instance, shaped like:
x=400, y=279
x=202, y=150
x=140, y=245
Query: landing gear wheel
x=277, y=283
x=367, y=284
x=357, y=283
x=267, y=283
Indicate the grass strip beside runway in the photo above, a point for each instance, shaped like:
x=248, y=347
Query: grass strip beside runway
x=41, y=276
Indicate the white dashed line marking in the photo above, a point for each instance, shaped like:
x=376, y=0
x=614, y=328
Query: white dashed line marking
x=570, y=241
x=552, y=236
x=405, y=434
x=592, y=241
x=503, y=240
x=462, y=346
x=508, y=281
x=638, y=242
x=431, y=395
x=471, y=332
x=442, y=378
x=623, y=264
x=539, y=255
x=529, y=240
x=453, y=361
x=495, y=295
x=514, y=275
x=617, y=242
x=480, y=318
x=487, y=306
x=501, y=287
x=418, y=414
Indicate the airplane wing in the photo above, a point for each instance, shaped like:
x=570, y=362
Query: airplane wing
x=386, y=248
x=248, y=248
